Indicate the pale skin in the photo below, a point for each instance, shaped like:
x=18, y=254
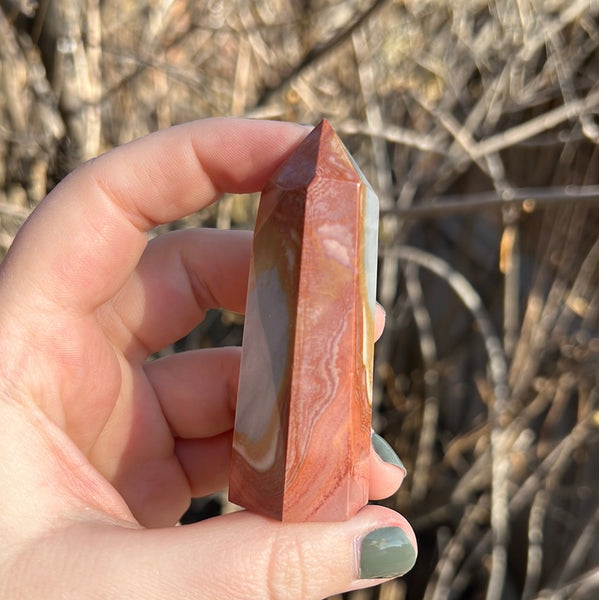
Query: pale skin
x=100, y=449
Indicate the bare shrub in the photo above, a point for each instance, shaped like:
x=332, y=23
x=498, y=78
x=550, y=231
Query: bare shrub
x=476, y=121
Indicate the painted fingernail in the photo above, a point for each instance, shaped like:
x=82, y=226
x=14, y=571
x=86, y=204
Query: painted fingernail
x=385, y=452
x=386, y=552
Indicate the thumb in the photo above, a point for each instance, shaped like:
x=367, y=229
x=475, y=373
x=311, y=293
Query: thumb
x=236, y=557
x=243, y=555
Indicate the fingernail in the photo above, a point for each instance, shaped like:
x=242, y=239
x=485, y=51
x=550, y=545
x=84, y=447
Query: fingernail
x=386, y=552
x=385, y=452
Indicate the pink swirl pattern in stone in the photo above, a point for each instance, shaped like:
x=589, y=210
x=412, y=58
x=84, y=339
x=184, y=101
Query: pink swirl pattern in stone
x=302, y=429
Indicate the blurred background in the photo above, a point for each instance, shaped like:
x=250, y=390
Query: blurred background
x=477, y=123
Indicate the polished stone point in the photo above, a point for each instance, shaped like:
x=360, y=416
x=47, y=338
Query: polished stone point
x=301, y=444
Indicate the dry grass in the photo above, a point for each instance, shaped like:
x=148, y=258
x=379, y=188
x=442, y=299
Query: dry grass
x=476, y=121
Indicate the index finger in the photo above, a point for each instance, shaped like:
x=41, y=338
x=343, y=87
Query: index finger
x=85, y=238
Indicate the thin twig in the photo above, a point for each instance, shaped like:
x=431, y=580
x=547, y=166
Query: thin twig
x=579, y=554
x=498, y=373
x=586, y=583
x=536, y=125
x=319, y=51
x=529, y=199
x=534, y=561
x=474, y=517
x=554, y=462
x=393, y=133
x=430, y=412
x=14, y=210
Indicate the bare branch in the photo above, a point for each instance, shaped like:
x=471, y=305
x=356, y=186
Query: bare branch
x=528, y=199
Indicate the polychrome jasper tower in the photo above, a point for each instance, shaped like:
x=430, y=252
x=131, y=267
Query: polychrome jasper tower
x=302, y=429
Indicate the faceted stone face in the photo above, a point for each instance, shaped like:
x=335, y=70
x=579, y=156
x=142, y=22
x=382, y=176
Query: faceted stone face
x=302, y=429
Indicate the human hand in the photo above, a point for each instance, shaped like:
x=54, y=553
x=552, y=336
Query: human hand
x=101, y=450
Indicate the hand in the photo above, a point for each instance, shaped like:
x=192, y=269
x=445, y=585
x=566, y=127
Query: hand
x=101, y=450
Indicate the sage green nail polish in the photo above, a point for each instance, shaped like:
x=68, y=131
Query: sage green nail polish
x=386, y=552
x=384, y=450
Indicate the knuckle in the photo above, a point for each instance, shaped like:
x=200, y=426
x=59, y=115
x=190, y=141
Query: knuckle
x=288, y=568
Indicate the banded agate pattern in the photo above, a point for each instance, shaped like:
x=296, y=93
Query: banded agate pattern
x=302, y=429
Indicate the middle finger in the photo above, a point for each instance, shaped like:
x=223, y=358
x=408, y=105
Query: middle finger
x=180, y=276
